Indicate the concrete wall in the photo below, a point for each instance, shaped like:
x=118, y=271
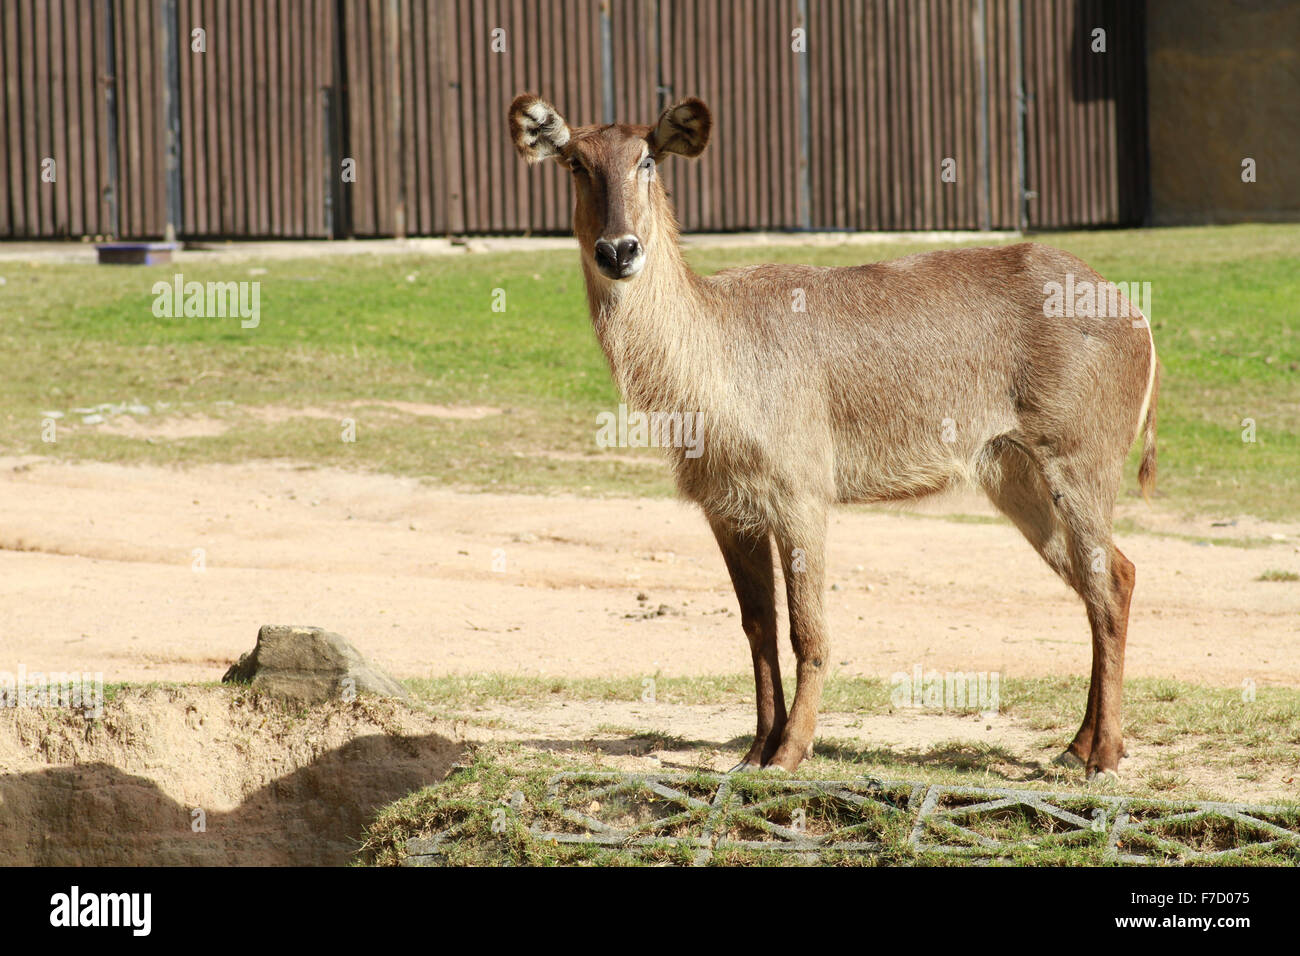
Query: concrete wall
x=1224, y=80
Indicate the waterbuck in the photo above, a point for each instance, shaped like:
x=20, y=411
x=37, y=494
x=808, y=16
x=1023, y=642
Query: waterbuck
x=882, y=382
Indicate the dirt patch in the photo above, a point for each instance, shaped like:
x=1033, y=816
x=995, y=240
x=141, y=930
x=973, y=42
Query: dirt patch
x=271, y=787
x=649, y=737
x=165, y=574
x=278, y=414
x=159, y=574
x=168, y=425
x=169, y=428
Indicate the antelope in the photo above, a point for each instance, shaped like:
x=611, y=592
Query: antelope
x=896, y=381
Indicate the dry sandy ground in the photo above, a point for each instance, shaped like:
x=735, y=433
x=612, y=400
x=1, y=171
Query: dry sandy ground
x=202, y=776
x=155, y=574
x=150, y=574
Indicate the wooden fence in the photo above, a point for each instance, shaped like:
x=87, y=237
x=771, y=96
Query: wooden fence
x=263, y=118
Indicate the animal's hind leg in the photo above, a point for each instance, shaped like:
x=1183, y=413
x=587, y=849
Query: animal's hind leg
x=749, y=562
x=1066, y=518
x=1084, y=496
x=1015, y=485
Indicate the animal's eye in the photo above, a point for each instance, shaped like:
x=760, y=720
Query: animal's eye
x=647, y=164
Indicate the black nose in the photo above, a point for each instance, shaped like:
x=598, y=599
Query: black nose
x=615, y=259
x=627, y=251
x=606, y=255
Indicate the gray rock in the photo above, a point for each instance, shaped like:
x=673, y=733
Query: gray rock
x=309, y=665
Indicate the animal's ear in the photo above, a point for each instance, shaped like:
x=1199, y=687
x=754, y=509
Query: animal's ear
x=537, y=128
x=683, y=128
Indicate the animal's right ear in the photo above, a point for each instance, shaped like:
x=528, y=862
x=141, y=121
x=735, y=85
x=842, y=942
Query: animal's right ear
x=537, y=128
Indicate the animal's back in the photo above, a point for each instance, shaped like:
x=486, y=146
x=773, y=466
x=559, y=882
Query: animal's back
x=898, y=374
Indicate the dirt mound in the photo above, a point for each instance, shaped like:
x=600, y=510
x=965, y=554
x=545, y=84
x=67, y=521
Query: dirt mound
x=212, y=776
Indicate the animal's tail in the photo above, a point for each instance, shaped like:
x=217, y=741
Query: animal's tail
x=1147, y=470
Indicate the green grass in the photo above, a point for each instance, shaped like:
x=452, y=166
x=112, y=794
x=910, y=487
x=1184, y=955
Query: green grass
x=491, y=806
x=353, y=329
x=504, y=790
x=1189, y=729
x=1272, y=574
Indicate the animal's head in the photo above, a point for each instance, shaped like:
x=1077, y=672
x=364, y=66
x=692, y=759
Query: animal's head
x=620, y=203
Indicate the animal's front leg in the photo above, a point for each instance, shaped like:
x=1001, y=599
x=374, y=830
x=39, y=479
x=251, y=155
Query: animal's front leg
x=802, y=543
x=749, y=562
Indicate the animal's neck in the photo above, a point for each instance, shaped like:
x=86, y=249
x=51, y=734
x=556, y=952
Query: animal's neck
x=654, y=328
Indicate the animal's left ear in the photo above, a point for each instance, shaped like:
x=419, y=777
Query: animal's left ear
x=537, y=128
x=683, y=128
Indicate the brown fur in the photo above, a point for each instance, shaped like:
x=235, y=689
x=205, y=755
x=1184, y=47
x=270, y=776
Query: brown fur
x=847, y=401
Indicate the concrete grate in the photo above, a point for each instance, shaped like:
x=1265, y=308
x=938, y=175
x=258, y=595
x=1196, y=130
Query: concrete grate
x=705, y=816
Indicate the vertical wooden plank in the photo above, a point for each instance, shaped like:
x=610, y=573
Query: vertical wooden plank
x=59, y=121
x=255, y=33
x=188, y=83
x=475, y=41
x=220, y=119
x=410, y=64
x=295, y=145
x=540, y=54
x=267, y=29
x=931, y=156
x=308, y=133
x=436, y=26
x=1035, y=130
x=496, y=100
x=6, y=79
x=688, y=79
x=524, y=185
x=208, y=106
x=68, y=55
x=939, y=51
x=862, y=133
x=412, y=188
x=361, y=138
x=44, y=140
x=104, y=225
x=1057, y=184
x=23, y=110
x=997, y=30
x=898, y=151
x=765, y=130
x=876, y=108
x=431, y=148
x=453, y=130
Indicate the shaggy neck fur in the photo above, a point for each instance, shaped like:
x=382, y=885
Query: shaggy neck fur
x=661, y=341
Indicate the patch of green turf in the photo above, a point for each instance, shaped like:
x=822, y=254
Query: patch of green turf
x=340, y=329
x=1240, y=733
x=496, y=811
